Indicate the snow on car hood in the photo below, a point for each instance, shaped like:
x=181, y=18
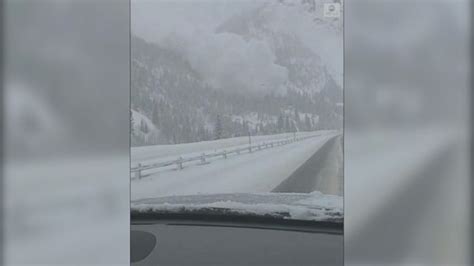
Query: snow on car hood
x=313, y=206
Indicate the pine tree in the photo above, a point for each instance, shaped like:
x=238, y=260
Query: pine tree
x=280, y=123
x=307, y=122
x=291, y=126
x=218, y=130
x=202, y=134
x=187, y=130
x=287, y=125
x=245, y=128
x=154, y=115
x=144, y=127
x=297, y=116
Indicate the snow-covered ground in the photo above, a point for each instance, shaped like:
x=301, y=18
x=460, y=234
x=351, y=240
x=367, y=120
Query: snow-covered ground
x=301, y=206
x=255, y=172
x=155, y=153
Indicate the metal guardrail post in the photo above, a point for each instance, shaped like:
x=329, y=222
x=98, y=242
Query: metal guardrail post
x=179, y=162
x=139, y=171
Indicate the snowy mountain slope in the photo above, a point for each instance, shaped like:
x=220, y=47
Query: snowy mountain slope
x=168, y=91
x=143, y=129
x=186, y=107
x=310, y=50
x=296, y=30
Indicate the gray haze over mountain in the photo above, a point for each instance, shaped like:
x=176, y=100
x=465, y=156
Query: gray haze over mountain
x=248, y=63
x=192, y=25
x=226, y=60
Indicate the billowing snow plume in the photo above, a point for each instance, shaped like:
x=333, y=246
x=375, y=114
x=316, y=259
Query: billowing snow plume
x=229, y=62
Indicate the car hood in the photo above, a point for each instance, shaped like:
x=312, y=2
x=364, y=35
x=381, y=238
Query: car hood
x=313, y=206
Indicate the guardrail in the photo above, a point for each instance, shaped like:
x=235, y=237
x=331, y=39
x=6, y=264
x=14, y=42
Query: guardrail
x=204, y=157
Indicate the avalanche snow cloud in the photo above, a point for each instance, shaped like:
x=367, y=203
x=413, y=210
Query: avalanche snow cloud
x=227, y=61
x=232, y=62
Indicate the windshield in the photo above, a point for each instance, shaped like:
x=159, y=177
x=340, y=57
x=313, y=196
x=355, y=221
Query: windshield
x=237, y=108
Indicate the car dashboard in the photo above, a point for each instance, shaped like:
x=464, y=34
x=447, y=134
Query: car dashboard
x=203, y=241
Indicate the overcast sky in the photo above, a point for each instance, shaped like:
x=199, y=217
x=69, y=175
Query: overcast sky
x=226, y=60
x=155, y=19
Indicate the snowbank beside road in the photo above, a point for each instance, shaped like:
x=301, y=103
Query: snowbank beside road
x=247, y=173
x=148, y=154
x=302, y=206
